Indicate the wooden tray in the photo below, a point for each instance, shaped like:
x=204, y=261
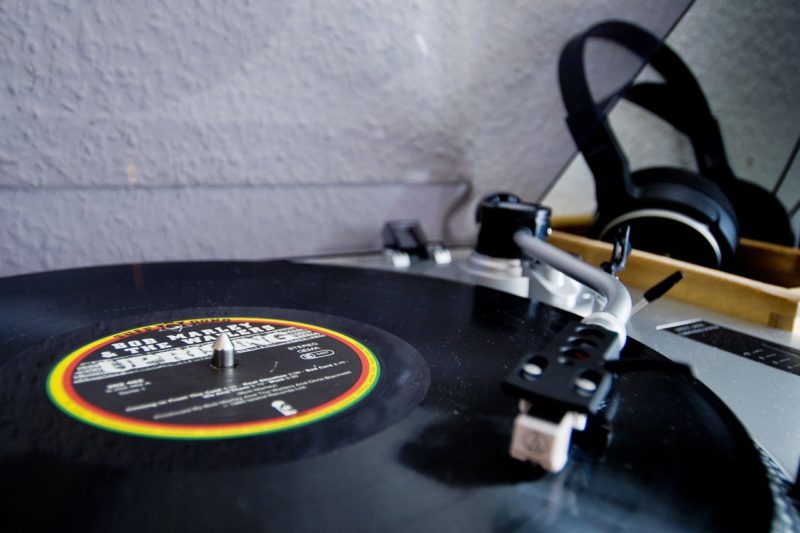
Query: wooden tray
x=769, y=295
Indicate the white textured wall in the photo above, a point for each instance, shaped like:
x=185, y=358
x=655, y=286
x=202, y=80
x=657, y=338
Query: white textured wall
x=746, y=56
x=169, y=129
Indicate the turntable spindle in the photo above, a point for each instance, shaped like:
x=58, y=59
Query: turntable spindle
x=224, y=353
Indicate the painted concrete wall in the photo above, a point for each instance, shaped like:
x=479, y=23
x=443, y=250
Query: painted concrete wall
x=745, y=56
x=166, y=130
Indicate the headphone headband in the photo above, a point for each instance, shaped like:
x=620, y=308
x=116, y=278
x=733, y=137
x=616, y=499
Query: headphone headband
x=717, y=203
x=679, y=100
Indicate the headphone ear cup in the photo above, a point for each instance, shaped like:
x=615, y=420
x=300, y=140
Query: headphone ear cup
x=760, y=214
x=676, y=213
x=684, y=178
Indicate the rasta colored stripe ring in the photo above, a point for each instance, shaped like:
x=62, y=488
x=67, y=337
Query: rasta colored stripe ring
x=114, y=407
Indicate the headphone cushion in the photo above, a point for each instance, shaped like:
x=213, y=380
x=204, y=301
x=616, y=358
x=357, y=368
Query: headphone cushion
x=684, y=178
x=760, y=214
x=686, y=194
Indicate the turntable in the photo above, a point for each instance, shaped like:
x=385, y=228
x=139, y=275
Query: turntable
x=290, y=395
x=505, y=387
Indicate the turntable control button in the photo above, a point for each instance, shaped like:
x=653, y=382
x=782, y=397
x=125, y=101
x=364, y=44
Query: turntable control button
x=405, y=236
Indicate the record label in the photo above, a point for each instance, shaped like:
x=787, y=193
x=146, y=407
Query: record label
x=157, y=381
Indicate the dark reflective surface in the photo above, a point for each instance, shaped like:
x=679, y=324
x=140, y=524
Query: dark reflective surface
x=675, y=458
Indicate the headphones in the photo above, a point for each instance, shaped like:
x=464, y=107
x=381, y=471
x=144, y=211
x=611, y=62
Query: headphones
x=697, y=217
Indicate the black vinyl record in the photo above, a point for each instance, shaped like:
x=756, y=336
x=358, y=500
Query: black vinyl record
x=372, y=402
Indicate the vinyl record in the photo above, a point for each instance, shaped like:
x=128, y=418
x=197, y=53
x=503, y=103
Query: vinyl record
x=361, y=401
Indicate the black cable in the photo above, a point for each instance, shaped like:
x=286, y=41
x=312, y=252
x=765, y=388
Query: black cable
x=786, y=169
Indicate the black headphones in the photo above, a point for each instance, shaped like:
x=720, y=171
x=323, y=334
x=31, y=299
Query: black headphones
x=697, y=217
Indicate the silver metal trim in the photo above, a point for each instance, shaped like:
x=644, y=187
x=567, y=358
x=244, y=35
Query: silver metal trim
x=702, y=229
